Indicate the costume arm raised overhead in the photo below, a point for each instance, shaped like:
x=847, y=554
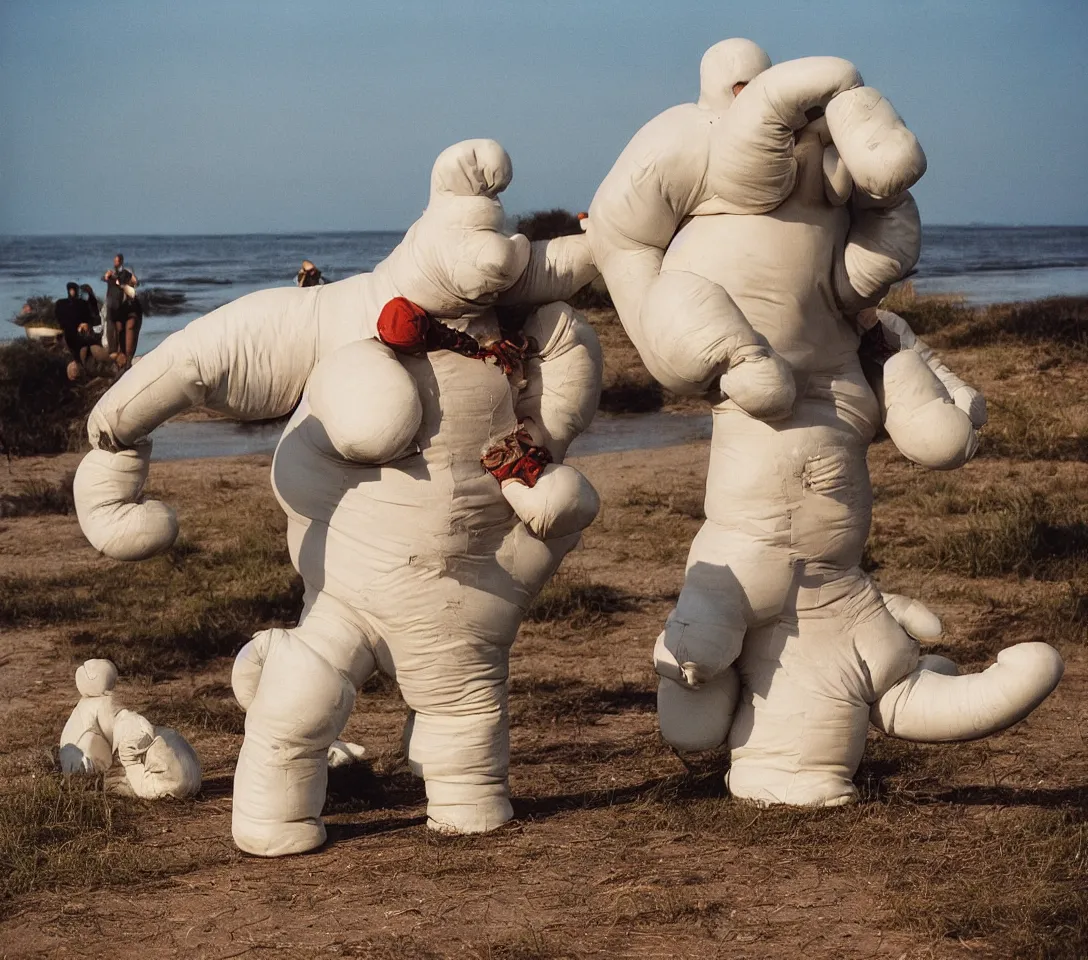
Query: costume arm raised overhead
x=692, y=160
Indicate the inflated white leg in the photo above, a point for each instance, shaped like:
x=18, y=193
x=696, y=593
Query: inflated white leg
x=697, y=718
x=930, y=705
x=794, y=740
x=459, y=738
x=300, y=706
x=799, y=733
x=463, y=759
x=306, y=683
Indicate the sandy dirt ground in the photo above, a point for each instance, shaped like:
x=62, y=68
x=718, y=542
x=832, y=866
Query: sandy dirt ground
x=620, y=848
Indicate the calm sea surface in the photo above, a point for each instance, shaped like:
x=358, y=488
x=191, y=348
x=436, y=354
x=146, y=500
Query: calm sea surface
x=987, y=264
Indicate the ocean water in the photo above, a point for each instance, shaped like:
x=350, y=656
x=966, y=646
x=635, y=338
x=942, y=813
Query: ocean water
x=986, y=264
x=208, y=270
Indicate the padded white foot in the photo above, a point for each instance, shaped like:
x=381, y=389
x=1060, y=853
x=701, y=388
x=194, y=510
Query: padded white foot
x=456, y=818
x=767, y=787
x=277, y=839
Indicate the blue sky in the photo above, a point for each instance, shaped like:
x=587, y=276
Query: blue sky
x=241, y=117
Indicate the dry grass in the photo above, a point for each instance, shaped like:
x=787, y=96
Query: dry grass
x=619, y=849
x=68, y=834
x=681, y=503
x=41, y=410
x=576, y=601
x=171, y=613
x=37, y=498
x=1026, y=534
x=1034, y=428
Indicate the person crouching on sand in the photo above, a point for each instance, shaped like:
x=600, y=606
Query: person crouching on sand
x=82, y=342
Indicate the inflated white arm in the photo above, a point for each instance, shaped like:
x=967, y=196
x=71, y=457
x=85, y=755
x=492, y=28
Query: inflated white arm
x=882, y=247
x=920, y=417
x=365, y=406
x=753, y=168
x=692, y=160
x=884, y=158
x=249, y=360
x=558, y=402
x=563, y=381
x=931, y=706
x=557, y=269
x=967, y=398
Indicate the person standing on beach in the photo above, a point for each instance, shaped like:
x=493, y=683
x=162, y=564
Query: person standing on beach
x=122, y=308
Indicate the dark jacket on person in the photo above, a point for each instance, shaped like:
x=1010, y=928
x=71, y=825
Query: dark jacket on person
x=115, y=296
x=94, y=310
x=70, y=313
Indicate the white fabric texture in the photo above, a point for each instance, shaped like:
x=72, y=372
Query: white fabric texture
x=747, y=262
x=416, y=560
x=158, y=762
x=86, y=742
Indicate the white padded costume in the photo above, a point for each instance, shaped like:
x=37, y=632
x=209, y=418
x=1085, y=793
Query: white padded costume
x=740, y=238
x=416, y=561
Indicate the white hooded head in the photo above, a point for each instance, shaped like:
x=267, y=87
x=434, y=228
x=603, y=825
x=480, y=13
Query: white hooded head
x=96, y=678
x=725, y=65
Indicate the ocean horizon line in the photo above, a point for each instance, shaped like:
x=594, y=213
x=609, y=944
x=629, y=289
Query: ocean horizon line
x=402, y=230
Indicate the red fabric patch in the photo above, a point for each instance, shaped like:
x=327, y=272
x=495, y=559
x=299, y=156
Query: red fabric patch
x=403, y=326
x=515, y=458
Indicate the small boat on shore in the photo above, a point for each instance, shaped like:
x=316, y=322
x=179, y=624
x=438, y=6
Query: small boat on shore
x=40, y=332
